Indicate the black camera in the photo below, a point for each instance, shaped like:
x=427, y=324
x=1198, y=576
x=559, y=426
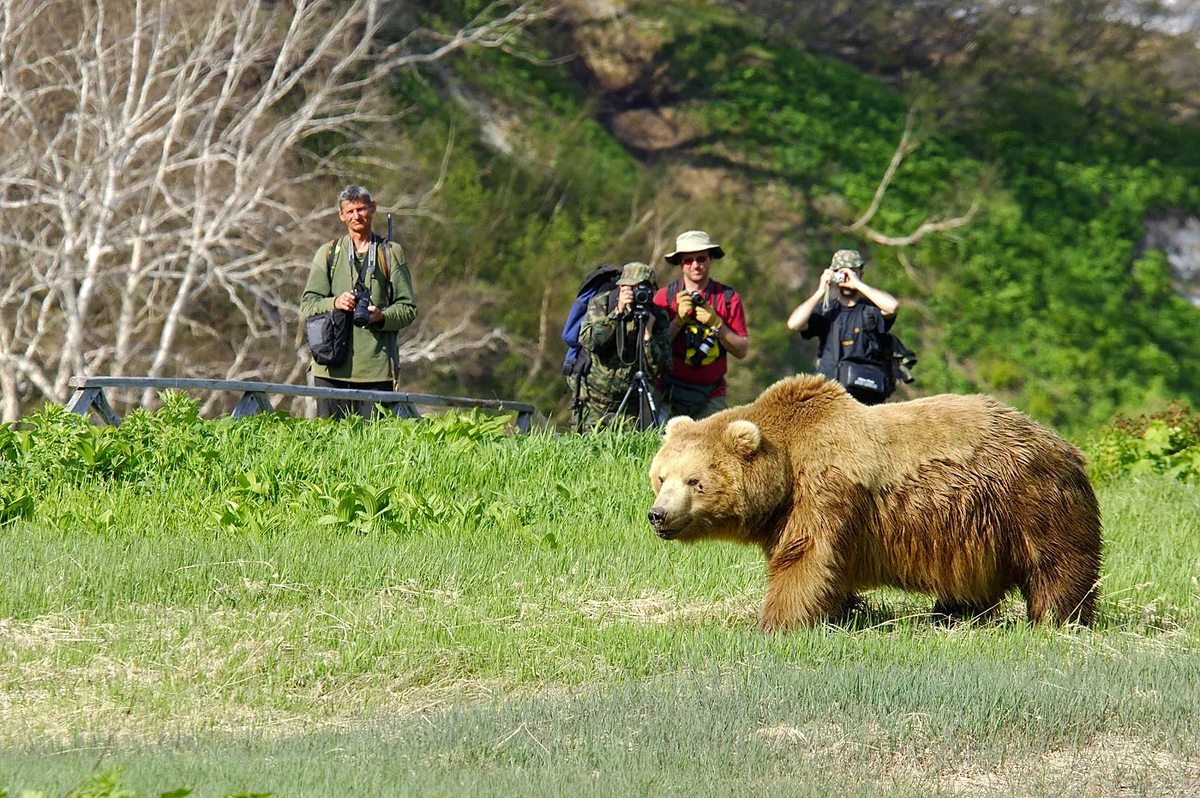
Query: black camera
x=643, y=295
x=697, y=299
x=362, y=304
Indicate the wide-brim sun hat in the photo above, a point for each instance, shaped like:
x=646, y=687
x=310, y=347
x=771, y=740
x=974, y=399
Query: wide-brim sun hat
x=694, y=241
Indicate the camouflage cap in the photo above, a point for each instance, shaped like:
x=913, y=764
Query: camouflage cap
x=635, y=273
x=846, y=259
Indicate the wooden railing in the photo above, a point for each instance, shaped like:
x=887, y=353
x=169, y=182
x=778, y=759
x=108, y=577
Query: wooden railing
x=89, y=396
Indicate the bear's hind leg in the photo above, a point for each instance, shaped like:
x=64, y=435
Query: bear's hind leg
x=1062, y=595
x=1060, y=603
x=802, y=586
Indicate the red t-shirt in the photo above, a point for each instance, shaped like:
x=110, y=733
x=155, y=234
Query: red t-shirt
x=731, y=313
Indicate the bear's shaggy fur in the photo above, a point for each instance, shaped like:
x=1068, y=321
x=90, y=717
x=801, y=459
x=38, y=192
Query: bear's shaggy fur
x=961, y=497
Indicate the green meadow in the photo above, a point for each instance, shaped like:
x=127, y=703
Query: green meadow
x=305, y=608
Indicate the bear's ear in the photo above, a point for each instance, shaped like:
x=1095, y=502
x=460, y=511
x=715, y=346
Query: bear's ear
x=743, y=437
x=677, y=424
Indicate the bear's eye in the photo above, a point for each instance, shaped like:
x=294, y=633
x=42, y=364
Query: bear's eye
x=695, y=483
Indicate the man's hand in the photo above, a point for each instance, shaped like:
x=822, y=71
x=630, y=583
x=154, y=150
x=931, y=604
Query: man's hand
x=851, y=281
x=344, y=301
x=707, y=316
x=826, y=279
x=624, y=299
x=683, y=304
x=376, y=315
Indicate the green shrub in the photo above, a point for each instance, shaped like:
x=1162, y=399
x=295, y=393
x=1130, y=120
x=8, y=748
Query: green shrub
x=1165, y=442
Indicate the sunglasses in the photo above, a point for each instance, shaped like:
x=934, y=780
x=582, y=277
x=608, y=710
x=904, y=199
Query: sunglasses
x=701, y=258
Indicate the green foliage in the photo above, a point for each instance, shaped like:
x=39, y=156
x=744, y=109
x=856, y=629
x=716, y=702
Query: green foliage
x=246, y=476
x=1044, y=299
x=466, y=430
x=15, y=504
x=1166, y=442
x=523, y=566
x=57, y=447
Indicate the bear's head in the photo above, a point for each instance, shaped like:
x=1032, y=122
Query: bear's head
x=713, y=478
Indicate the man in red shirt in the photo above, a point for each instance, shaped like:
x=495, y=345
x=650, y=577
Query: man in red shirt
x=707, y=321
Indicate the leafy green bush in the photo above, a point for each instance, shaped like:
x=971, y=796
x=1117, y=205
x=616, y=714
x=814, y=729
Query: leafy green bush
x=243, y=477
x=1166, y=442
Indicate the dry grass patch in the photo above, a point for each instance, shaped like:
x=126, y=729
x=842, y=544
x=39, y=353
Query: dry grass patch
x=667, y=608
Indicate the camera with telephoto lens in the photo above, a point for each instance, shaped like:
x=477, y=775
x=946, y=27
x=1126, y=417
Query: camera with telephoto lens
x=362, y=304
x=838, y=278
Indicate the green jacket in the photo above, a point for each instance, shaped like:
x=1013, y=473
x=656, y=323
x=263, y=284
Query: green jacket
x=372, y=348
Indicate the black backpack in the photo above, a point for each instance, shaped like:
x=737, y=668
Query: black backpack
x=902, y=359
x=876, y=362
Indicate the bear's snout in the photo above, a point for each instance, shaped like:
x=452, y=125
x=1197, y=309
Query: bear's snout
x=658, y=521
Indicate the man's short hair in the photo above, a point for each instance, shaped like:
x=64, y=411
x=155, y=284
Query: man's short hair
x=354, y=193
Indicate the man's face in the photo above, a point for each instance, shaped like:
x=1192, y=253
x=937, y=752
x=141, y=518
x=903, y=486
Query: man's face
x=695, y=265
x=356, y=215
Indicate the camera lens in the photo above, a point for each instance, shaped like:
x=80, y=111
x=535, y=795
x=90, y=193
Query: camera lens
x=362, y=313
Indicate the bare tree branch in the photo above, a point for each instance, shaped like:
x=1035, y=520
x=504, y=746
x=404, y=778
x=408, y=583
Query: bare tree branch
x=933, y=225
x=939, y=226
x=904, y=148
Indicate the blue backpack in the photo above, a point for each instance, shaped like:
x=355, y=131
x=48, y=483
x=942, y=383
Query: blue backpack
x=578, y=360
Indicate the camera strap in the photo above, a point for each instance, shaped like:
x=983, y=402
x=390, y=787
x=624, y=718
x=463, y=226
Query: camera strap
x=367, y=269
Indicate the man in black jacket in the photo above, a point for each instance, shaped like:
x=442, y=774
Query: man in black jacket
x=851, y=324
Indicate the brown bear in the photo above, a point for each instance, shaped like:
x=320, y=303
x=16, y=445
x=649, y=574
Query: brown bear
x=961, y=497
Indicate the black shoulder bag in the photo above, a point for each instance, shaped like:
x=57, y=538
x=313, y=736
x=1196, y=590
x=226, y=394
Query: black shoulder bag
x=860, y=370
x=328, y=333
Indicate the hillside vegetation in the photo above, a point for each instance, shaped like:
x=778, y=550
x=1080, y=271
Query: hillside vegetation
x=670, y=116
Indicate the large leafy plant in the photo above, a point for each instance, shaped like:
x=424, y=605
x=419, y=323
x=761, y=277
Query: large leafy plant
x=1166, y=442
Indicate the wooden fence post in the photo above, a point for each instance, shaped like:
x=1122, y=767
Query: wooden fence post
x=85, y=399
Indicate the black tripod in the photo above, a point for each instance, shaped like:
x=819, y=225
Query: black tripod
x=639, y=386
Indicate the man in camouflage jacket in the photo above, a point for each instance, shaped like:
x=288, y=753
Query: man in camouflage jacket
x=608, y=333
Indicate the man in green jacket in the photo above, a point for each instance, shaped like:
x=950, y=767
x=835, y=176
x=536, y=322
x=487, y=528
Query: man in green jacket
x=372, y=363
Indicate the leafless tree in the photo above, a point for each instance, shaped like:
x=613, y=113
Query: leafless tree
x=162, y=167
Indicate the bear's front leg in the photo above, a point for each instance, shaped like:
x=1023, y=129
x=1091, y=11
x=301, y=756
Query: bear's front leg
x=802, y=584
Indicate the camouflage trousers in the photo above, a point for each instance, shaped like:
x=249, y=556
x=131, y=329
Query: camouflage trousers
x=598, y=410
x=711, y=407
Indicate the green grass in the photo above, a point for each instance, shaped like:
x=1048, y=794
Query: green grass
x=529, y=635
